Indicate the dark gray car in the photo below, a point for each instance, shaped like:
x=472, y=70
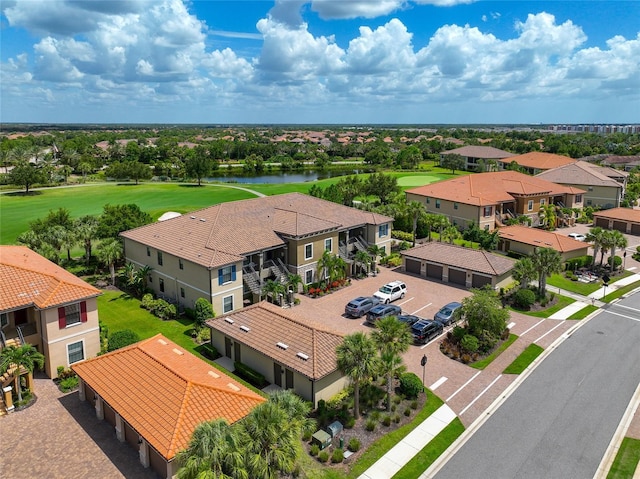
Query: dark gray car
x=446, y=315
x=382, y=311
x=358, y=307
x=425, y=330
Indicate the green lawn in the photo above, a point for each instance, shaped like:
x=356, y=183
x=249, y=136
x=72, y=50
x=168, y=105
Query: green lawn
x=483, y=363
x=427, y=456
x=626, y=460
x=524, y=359
x=620, y=292
x=584, y=312
x=562, y=302
x=585, y=289
x=120, y=311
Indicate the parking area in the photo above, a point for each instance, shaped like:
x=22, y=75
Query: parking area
x=466, y=390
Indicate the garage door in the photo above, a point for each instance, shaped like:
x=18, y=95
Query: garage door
x=157, y=463
x=620, y=226
x=412, y=266
x=457, y=276
x=635, y=229
x=479, y=281
x=602, y=222
x=89, y=395
x=434, y=271
x=109, y=415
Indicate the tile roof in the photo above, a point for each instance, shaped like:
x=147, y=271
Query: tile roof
x=224, y=233
x=483, y=189
x=164, y=391
x=581, y=173
x=485, y=152
x=625, y=214
x=309, y=350
x=30, y=279
x=542, y=238
x=470, y=259
x=540, y=160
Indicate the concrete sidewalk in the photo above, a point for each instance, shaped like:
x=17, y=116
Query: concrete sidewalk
x=613, y=286
x=412, y=444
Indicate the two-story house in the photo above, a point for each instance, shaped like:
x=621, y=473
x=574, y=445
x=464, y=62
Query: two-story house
x=44, y=305
x=536, y=162
x=476, y=155
x=488, y=199
x=225, y=253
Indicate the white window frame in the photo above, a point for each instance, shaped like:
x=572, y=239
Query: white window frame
x=328, y=241
x=487, y=211
x=308, y=245
x=543, y=202
x=579, y=198
x=530, y=205
x=308, y=276
x=81, y=341
x=71, y=312
x=224, y=306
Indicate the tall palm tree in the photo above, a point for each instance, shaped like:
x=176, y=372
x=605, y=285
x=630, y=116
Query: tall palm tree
x=415, y=210
x=392, y=338
x=595, y=236
x=296, y=409
x=548, y=216
x=605, y=244
x=616, y=241
x=273, y=288
x=21, y=357
x=523, y=272
x=363, y=259
x=546, y=261
x=213, y=452
x=109, y=252
x=143, y=276
x=374, y=250
x=86, y=229
x=358, y=360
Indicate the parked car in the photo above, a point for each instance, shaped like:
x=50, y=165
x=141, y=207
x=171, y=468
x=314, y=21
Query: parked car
x=446, y=315
x=382, y=311
x=391, y=291
x=577, y=236
x=426, y=330
x=409, y=319
x=358, y=307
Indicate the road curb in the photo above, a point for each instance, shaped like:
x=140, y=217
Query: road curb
x=475, y=425
x=616, y=440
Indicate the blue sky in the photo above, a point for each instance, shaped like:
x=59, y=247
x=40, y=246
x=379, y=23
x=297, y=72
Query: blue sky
x=320, y=61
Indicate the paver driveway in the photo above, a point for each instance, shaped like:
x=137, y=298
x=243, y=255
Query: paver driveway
x=60, y=437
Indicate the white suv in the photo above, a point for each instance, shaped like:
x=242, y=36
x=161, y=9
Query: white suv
x=391, y=291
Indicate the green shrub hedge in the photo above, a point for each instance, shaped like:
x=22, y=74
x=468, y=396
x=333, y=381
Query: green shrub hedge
x=253, y=377
x=410, y=385
x=123, y=338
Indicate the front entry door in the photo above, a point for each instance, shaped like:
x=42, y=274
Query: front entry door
x=227, y=347
x=236, y=352
x=289, y=378
x=277, y=375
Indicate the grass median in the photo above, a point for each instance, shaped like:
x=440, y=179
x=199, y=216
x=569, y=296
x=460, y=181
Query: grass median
x=626, y=460
x=483, y=363
x=523, y=361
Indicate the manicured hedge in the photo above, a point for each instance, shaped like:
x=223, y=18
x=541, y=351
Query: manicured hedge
x=253, y=377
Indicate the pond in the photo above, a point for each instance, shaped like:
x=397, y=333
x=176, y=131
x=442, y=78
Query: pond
x=285, y=177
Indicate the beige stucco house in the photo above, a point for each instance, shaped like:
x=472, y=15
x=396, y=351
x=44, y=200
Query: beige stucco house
x=476, y=155
x=489, y=199
x=604, y=186
x=536, y=162
x=625, y=220
x=226, y=252
x=289, y=352
x=524, y=240
x=44, y=305
x=466, y=267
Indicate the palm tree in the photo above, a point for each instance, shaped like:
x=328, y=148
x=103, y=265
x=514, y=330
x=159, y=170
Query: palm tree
x=273, y=288
x=392, y=337
x=358, y=360
x=86, y=229
x=546, y=262
x=605, y=244
x=269, y=441
x=415, y=210
x=548, y=216
x=294, y=281
x=296, y=409
x=375, y=251
x=21, y=357
x=523, y=272
x=616, y=240
x=213, y=452
x=143, y=277
x=450, y=234
x=109, y=252
x=363, y=259
x=595, y=236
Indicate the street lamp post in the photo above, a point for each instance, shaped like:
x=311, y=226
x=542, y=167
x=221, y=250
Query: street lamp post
x=624, y=259
x=423, y=363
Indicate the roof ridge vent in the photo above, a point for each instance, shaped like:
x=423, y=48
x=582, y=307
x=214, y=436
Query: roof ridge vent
x=233, y=386
x=282, y=345
x=177, y=351
x=203, y=220
x=192, y=217
x=303, y=356
x=229, y=320
x=245, y=328
x=214, y=374
x=163, y=342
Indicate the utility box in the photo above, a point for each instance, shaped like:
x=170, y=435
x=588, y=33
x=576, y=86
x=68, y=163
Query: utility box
x=321, y=438
x=334, y=428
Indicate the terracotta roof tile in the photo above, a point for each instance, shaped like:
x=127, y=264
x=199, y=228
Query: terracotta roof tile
x=479, y=261
x=542, y=238
x=268, y=326
x=624, y=214
x=483, y=189
x=30, y=279
x=540, y=160
x=164, y=392
x=222, y=234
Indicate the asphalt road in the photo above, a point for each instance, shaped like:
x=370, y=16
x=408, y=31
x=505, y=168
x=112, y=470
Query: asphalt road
x=559, y=422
